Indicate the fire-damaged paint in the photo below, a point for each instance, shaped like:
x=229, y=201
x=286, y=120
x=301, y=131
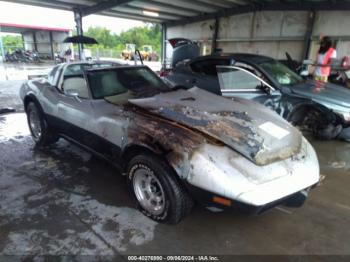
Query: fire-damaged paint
x=208, y=113
x=236, y=149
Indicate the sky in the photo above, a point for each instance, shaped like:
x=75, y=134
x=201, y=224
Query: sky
x=39, y=16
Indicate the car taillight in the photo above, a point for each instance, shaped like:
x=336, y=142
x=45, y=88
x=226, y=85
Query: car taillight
x=164, y=73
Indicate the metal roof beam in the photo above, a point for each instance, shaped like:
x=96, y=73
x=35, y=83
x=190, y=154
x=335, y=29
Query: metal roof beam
x=193, y=5
x=102, y=6
x=158, y=6
x=133, y=17
x=288, y=6
x=52, y=4
x=139, y=10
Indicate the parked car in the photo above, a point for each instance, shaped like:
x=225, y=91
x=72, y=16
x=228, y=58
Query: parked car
x=321, y=108
x=174, y=146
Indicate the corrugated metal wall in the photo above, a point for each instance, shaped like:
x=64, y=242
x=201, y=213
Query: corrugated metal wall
x=270, y=33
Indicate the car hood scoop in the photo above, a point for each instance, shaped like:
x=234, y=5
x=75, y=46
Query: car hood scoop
x=249, y=128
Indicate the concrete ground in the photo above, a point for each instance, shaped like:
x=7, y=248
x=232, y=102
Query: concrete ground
x=63, y=201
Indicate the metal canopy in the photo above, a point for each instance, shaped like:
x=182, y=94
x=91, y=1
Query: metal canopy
x=178, y=12
x=19, y=29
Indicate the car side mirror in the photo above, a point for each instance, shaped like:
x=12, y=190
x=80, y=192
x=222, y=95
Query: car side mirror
x=265, y=88
x=72, y=93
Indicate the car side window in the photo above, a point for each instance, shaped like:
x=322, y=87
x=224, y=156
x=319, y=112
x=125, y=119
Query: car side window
x=105, y=83
x=74, y=81
x=74, y=71
x=208, y=67
x=53, y=75
x=248, y=68
x=234, y=79
x=76, y=85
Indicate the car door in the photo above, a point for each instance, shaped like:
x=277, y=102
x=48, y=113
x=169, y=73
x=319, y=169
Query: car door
x=74, y=110
x=235, y=81
x=110, y=120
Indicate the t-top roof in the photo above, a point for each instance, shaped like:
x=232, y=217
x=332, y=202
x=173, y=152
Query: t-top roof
x=177, y=12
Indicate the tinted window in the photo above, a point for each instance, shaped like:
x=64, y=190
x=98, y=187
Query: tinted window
x=208, y=67
x=234, y=79
x=280, y=73
x=142, y=82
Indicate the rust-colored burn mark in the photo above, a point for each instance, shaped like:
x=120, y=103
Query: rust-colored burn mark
x=174, y=141
x=229, y=127
x=236, y=114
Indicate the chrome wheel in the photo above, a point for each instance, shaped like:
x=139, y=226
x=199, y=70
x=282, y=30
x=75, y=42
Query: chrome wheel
x=149, y=191
x=35, y=123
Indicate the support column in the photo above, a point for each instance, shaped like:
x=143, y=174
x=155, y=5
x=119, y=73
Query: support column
x=35, y=44
x=308, y=36
x=51, y=45
x=164, y=44
x=2, y=47
x=79, y=26
x=215, y=35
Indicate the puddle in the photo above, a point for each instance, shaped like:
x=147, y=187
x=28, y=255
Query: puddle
x=13, y=127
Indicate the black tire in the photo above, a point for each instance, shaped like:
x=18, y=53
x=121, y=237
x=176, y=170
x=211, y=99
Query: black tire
x=177, y=203
x=45, y=136
x=321, y=125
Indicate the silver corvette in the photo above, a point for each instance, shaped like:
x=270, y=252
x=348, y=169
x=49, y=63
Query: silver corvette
x=177, y=147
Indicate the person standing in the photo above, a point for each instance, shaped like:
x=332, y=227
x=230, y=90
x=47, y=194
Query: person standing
x=325, y=55
x=68, y=54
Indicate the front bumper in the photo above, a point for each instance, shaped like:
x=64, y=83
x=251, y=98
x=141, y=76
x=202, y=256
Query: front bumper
x=205, y=199
x=224, y=172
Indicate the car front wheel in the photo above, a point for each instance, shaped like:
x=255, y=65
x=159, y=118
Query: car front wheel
x=158, y=193
x=38, y=126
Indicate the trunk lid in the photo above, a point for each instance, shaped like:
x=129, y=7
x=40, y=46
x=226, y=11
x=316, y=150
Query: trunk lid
x=247, y=127
x=183, y=49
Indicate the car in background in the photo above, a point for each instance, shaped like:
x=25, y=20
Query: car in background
x=322, y=108
x=174, y=146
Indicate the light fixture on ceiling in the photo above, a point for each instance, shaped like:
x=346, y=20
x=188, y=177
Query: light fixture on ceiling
x=150, y=13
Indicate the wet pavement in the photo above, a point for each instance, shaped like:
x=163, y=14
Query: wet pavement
x=20, y=71
x=62, y=201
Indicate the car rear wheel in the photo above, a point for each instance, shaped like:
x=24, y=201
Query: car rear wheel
x=158, y=193
x=38, y=126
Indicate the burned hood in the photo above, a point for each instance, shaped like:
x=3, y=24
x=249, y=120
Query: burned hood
x=254, y=131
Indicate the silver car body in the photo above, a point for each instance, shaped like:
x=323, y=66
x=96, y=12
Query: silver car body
x=235, y=149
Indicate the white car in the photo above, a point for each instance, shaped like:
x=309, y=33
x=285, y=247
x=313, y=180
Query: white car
x=176, y=147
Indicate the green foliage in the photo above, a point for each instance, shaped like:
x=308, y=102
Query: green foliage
x=11, y=42
x=149, y=34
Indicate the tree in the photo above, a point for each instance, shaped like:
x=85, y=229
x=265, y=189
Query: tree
x=11, y=42
x=149, y=34
x=103, y=36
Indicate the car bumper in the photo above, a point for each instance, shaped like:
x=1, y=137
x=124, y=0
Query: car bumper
x=238, y=179
x=206, y=199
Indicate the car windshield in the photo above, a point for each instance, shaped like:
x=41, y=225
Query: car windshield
x=280, y=73
x=140, y=81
